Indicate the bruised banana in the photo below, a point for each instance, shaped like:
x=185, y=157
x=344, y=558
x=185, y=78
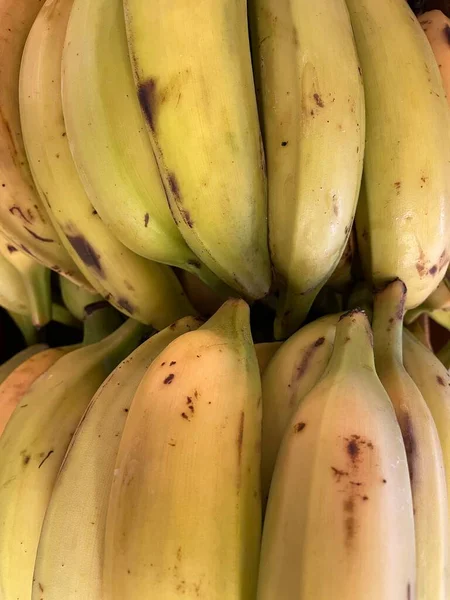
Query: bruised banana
x=423, y=448
x=74, y=526
x=109, y=142
x=36, y=279
x=33, y=446
x=198, y=406
x=199, y=101
x=23, y=219
x=20, y=380
x=403, y=215
x=433, y=381
x=437, y=29
x=339, y=522
x=312, y=102
x=147, y=291
x=293, y=371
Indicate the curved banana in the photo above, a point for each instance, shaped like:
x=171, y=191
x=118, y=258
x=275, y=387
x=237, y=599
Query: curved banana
x=36, y=279
x=437, y=29
x=198, y=97
x=76, y=298
x=339, y=522
x=423, y=448
x=33, y=446
x=403, y=216
x=23, y=219
x=312, y=102
x=147, y=291
x=109, y=141
x=195, y=528
x=74, y=526
x=13, y=388
x=15, y=361
x=293, y=371
x=433, y=381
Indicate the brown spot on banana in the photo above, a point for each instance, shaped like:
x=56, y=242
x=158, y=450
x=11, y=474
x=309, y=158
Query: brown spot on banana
x=86, y=253
x=147, y=100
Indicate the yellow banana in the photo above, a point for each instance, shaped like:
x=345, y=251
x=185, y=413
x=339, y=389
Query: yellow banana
x=194, y=81
x=341, y=278
x=74, y=526
x=204, y=299
x=265, y=352
x=423, y=448
x=437, y=29
x=33, y=446
x=339, y=522
x=15, y=361
x=147, y=291
x=13, y=295
x=312, y=102
x=403, y=216
x=21, y=379
x=433, y=381
x=109, y=141
x=188, y=464
x=290, y=375
x=36, y=279
x=22, y=216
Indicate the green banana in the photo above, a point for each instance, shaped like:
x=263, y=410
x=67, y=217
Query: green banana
x=194, y=530
x=147, y=291
x=339, y=522
x=403, y=216
x=33, y=446
x=199, y=101
x=76, y=298
x=312, y=102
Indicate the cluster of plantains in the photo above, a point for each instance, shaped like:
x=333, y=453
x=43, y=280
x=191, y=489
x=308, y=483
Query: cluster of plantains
x=237, y=212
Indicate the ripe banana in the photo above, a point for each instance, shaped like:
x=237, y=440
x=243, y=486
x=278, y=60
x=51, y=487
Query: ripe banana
x=264, y=353
x=21, y=379
x=312, y=102
x=403, y=216
x=437, y=29
x=147, y=291
x=433, y=381
x=423, y=449
x=109, y=141
x=33, y=446
x=22, y=217
x=291, y=374
x=15, y=361
x=341, y=278
x=13, y=295
x=194, y=81
x=36, y=279
x=74, y=526
x=194, y=530
x=339, y=522
x=76, y=298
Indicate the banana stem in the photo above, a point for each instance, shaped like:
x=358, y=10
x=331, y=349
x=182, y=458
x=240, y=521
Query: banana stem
x=361, y=297
x=292, y=310
x=387, y=323
x=37, y=285
x=25, y=324
x=101, y=319
x=76, y=298
x=60, y=314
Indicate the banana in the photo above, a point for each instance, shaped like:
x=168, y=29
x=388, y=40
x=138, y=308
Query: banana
x=21, y=379
x=74, y=526
x=403, y=216
x=264, y=353
x=33, y=445
x=36, y=278
x=339, y=522
x=15, y=361
x=147, y=291
x=444, y=355
x=188, y=463
x=26, y=327
x=194, y=80
x=312, y=102
x=23, y=219
x=109, y=141
x=341, y=278
x=291, y=374
x=437, y=29
x=204, y=299
x=420, y=328
x=76, y=298
x=423, y=449
x=433, y=381
x=13, y=295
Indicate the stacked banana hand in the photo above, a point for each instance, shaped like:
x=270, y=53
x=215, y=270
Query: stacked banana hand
x=243, y=233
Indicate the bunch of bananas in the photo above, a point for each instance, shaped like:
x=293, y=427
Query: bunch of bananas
x=241, y=213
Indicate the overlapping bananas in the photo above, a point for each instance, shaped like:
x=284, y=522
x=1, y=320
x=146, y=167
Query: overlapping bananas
x=224, y=240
